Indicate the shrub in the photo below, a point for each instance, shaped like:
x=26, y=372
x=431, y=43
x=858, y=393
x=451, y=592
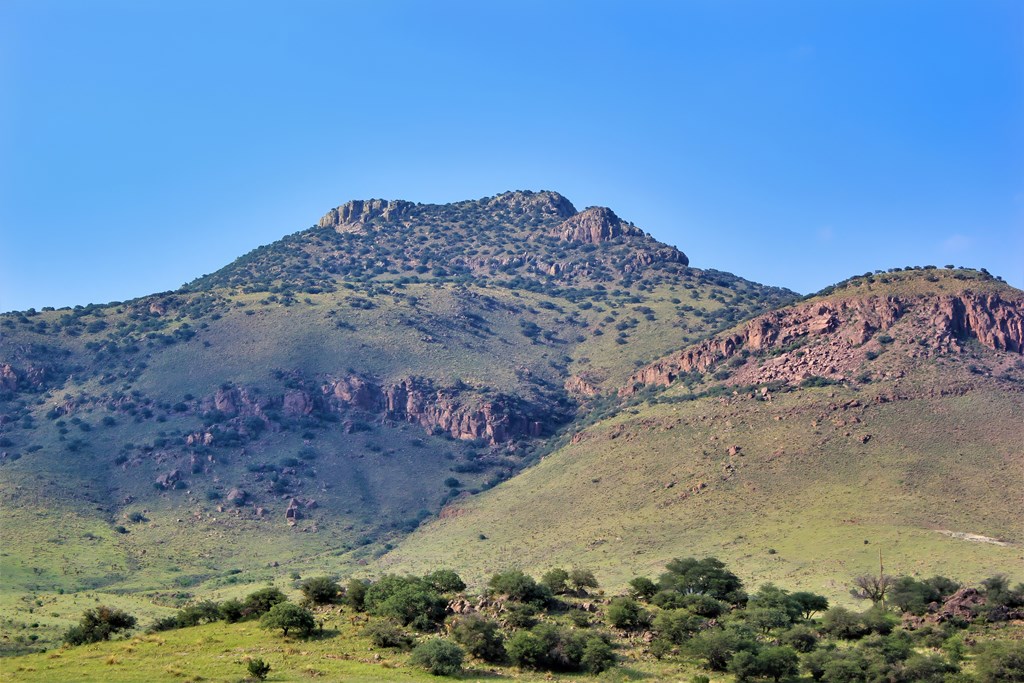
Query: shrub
x=388, y=634
x=320, y=590
x=1001, y=662
x=355, y=594
x=438, y=656
x=481, y=637
x=626, y=613
x=676, y=625
x=258, y=669
x=232, y=610
x=642, y=588
x=840, y=622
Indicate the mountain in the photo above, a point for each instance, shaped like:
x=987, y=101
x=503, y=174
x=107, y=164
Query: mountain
x=878, y=420
x=314, y=401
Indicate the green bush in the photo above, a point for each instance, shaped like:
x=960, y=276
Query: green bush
x=438, y=656
x=626, y=613
x=481, y=637
x=320, y=590
x=260, y=602
x=388, y=634
x=258, y=669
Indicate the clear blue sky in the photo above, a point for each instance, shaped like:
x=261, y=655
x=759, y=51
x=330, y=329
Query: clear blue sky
x=145, y=143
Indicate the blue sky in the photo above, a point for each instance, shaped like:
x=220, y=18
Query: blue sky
x=145, y=143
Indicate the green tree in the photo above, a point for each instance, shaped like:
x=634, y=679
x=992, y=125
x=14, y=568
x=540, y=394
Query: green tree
x=445, y=581
x=355, y=594
x=808, y=603
x=320, y=590
x=288, y=616
x=98, y=624
x=519, y=586
x=388, y=634
x=642, y=588
x=597, y=656
x=556, y=580
x=707, y=576
x=582, y=579
x=438, y=656
x=717, y=647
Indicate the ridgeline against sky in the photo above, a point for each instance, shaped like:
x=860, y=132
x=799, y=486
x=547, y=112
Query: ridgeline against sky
x=795, y=144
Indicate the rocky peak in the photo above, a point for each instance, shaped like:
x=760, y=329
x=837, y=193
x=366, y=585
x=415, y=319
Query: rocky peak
x=594, y=225
x=525, y=202
x=359, y=212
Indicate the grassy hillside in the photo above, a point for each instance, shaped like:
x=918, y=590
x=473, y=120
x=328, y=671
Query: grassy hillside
x=362, y=372
x=910, y=447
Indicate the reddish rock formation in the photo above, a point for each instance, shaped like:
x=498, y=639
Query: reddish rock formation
x=843, y=325
x=579, y=385
x=8, y=378
x=595, y=225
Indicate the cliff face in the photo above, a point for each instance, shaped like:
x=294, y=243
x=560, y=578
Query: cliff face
x=445, y=410
x=829, y=332
x=359, y=212
x=456, y=412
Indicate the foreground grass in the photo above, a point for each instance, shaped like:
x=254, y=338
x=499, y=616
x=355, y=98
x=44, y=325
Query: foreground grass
x=219, y=652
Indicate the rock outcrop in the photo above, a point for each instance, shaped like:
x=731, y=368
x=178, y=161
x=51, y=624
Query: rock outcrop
x=827, y=332
x=359, y=212
x=996, y=323
x=417, y=401
x=595, y=225
x=528, y=203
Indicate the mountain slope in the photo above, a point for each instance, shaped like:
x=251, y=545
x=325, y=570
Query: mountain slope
x=883, y=416
x=315, y=400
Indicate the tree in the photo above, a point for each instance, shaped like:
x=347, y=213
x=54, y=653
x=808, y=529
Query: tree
x=518, y=586
x=771, y=662
x=840, y=622
x=717, y=647
x=809, y=603
x=642, y=588
x=708, y=577
x=409, y=600
x=445, y=581
x=480, y=636
x=1003, y=662
x=438, y=656
x=870, y=587
x=556, y=580
x=387, y=634
x=98, y=624
x=320, y=590
x=582, y=579
x=355, y=594
x=287, y=616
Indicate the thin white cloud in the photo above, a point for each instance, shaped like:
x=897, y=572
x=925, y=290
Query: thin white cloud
x=956, y=244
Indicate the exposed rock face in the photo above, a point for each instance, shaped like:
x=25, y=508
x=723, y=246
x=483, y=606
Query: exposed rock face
x=580, y=385
x=595, y=225
x=520, y=203
x=841, y=326
x=359, y=212
x=417, y=401
x=997, y=324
